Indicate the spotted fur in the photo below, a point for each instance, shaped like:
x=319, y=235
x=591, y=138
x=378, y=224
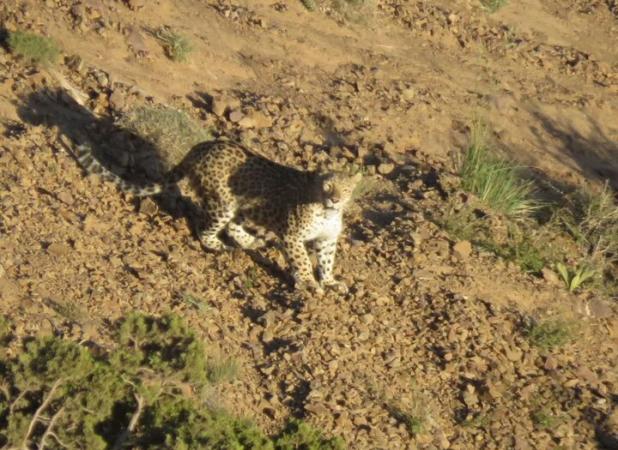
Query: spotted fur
x=238, y=187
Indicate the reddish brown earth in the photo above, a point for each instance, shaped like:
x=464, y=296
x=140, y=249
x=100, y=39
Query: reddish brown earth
x=430, y=326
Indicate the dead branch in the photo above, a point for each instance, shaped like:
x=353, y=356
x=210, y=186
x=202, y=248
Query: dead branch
x=40, y=410
x=48, y=430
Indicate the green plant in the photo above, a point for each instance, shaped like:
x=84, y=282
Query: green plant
x=37, y=49
x=493, y=5
x=299, y=435
x=310, y=5
x=573, y=279
x=170, y=130
x=550, y=334
x=543, y=418
x=176, y=46
x=220, y=368
x=144, y=393
x=495, y=181
x=415, y=416
x=195, y=302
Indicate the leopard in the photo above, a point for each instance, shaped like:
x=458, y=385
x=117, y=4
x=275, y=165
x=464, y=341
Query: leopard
x=238, y=188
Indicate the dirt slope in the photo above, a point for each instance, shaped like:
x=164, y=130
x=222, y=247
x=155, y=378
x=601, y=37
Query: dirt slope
x=430, y=329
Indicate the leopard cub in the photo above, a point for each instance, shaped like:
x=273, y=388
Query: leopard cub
x=237, y=187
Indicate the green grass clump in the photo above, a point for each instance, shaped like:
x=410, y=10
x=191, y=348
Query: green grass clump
x=493, y=5
x=36, y=49
x=544, y=419
x=299, y=435
x=550, y=334
x=176, y=46
x=172, y=131
x=310, y=5
x=495, y=181
x=144, y=393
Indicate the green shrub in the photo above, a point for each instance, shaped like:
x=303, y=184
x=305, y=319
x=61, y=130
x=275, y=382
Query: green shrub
x=144, y=393
x=300, y=436
x=34, y=48
x=172, y=131
x=176, y=46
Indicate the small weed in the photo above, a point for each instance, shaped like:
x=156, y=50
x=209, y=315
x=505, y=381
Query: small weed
x=550, y=334
x=356, y=11
x=298, y=435
x=170, y=130
x=221, y=368
x=543, y=418
x=478, y=421
x=415, y=416
x=495, y=181
x=573, y=279
x=250, y=279
x=195, y=302
x=36, y=49
x=176, y=46
x=493, y=5
x=310, y=5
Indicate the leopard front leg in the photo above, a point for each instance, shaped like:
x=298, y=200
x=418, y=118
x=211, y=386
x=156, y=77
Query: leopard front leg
x=327, y=248
x=298, y=259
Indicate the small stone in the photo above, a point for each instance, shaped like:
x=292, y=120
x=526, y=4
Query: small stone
x=462, y=249
x=408, y=94
x=74, y=62
x=550, y=276
x=117, y=100
x=58, y=249
x=550, y=363
x=66, y=197
x=267, y=336
x=386, y=168
x=245, y=122
x=220, y=105
x=367, y=318
x=135, y=4
x=599, y=309
x=236, y=116
x=148, y=206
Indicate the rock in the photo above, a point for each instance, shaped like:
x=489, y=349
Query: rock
x=386, y=168
x=236, y=116
x=135, y=4
x=462, y=249
x=136, y=42
x=469, y=396
x=220, y=105
x=245, y=122
x=75, y=63
x=550, y=363
x=409, y=94
x=550, y=276
x=118, y=100
x=58, y=249
x=148, y=206
x=66, y=197
x=599, y=309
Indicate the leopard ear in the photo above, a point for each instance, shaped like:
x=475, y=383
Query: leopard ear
x=328, y=187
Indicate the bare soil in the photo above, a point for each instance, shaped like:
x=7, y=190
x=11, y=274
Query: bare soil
x=430, y=329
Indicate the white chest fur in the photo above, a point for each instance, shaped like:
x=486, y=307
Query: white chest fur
x=326, y=224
